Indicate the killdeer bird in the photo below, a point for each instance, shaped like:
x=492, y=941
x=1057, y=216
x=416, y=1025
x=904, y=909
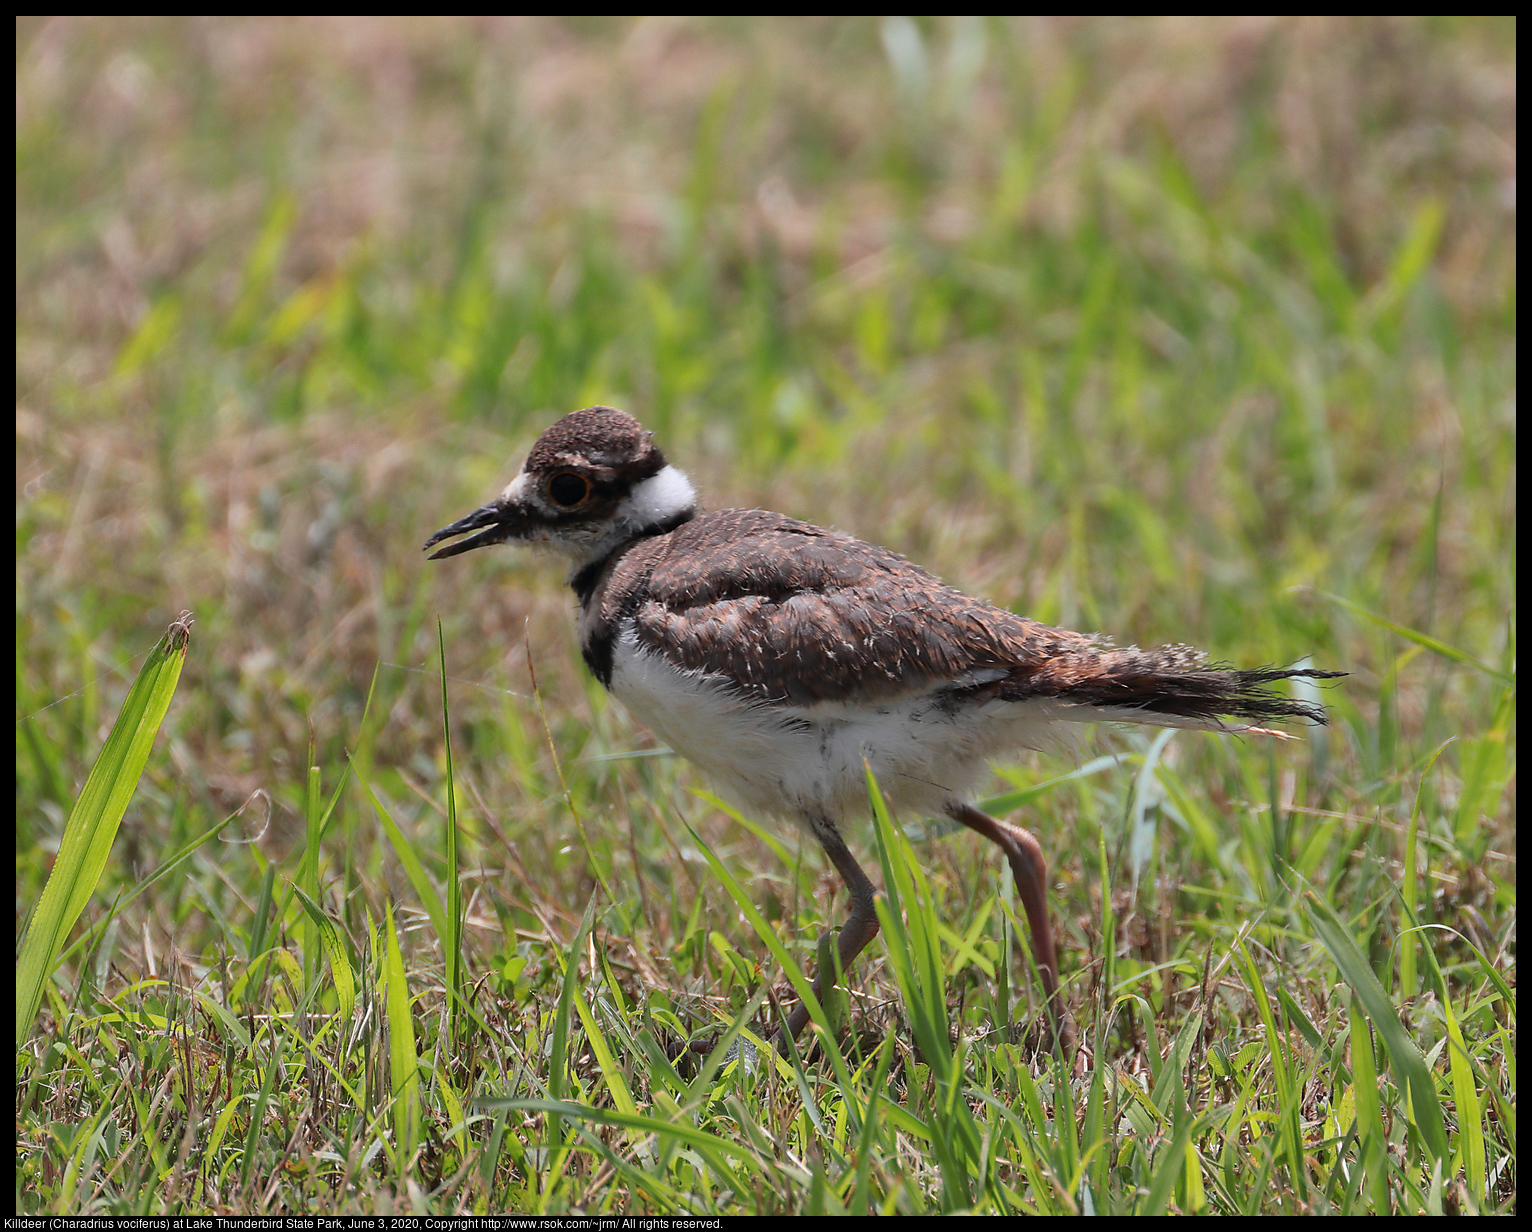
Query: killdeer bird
x=781, y=658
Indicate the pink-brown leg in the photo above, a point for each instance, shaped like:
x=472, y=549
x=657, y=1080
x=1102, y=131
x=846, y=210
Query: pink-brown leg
x=858, y=930
x=1030, y=871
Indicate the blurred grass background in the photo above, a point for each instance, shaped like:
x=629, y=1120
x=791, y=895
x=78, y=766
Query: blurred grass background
x=1169, y=328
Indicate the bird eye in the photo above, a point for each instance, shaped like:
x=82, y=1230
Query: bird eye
x=568, y=489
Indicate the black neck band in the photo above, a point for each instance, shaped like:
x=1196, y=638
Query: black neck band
x=584, y=582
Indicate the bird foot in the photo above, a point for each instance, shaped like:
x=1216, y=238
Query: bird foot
x=1036, y=1038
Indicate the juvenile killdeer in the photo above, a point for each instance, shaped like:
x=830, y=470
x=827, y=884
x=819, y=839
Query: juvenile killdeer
x=779, y=656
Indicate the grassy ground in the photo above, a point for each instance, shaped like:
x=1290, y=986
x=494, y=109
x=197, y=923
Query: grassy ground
x=1180, y=330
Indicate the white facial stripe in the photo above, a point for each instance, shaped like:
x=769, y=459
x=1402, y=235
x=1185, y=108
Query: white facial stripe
x=653, y=502
x=656, y=499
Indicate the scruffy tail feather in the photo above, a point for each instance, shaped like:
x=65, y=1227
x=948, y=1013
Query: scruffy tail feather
x=1208, y=696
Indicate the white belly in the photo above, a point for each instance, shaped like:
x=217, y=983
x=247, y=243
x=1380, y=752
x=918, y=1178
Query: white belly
x=800, y=761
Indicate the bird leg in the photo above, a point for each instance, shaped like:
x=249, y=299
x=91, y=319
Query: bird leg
x=1031, y=875
x=859, y=929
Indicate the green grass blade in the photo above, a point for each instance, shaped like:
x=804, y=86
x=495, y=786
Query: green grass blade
x=773, y=844
x=913, y=940
x=1421, y=1104
x=403, y=1066
x=1371, y=1143
x=683, y=1131
x=1424, y=640
x=452, y=939
x=1408, y=888
x=171, y=863
x=558, y=1060
x=410, y=862
x=1460, y=1064
x=335, y=950
x=1287, y=1110
x=92, y=824
x=769, y=938
x=1168, y=1169
x=1488, y=762
x=697, y=1090
x=1466, y=1096
x=616, y=1083
x=1010, y=801
x=258, y=1116
x=308, y=878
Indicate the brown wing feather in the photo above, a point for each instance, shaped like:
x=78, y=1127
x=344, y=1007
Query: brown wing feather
x=841, y=619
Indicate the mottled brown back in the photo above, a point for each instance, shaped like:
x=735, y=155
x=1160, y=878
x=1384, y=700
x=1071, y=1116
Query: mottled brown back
x=793, y=612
